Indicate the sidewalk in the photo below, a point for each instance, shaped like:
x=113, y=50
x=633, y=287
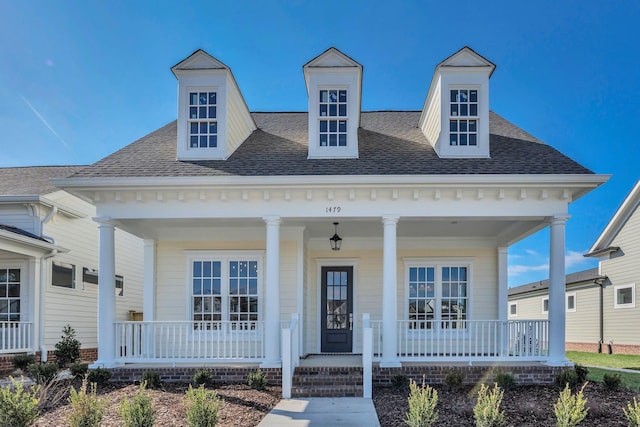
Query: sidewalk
x=322, y=411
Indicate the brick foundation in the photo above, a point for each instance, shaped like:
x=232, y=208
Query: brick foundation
x=221, y=375
x=87, y=355
x=536, y=374
x=593, y=348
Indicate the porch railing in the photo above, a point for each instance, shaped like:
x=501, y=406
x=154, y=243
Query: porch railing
x=467, y=340
x=213, y=341
x=16, y=337
x=290, y=354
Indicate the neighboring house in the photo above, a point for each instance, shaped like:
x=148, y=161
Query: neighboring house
x=585, y=316
x=236, y=210
x=618, y=252
x=49, y=265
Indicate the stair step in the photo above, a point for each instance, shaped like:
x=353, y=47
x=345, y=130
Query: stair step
x=327, y=382
x=327, y=391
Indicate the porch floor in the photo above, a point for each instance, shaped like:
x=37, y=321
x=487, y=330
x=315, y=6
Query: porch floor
x=331, y=360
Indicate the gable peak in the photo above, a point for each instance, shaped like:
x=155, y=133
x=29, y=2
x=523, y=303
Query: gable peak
x=199, y=60
x=332, y=57
x=467, y=57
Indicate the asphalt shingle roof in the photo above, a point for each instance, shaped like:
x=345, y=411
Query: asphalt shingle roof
x=21, y=232
x=577, y=277
x=32, y=180
x=390, y=143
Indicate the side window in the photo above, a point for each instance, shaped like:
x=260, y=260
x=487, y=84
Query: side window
x=513, y=309
x=571, y=302
x=545, y=304
x=625, y=296
x=63, y=275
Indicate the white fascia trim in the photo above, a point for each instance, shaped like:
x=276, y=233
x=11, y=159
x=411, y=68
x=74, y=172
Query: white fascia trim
x=441, y=181
x=31, y=242
x=615, y=224
x=70, y=212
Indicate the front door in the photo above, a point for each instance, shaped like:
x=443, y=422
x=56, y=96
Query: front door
x=337, y=309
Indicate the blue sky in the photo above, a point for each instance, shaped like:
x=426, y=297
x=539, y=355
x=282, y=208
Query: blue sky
x=81, y=79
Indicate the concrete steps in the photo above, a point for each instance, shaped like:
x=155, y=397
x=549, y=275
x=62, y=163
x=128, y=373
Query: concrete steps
x=327, y=382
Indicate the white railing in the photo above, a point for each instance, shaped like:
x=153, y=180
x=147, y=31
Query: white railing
x=213, y=341
x=290, y=354
x=16, y=337
x=467, y=340
x=367, y=356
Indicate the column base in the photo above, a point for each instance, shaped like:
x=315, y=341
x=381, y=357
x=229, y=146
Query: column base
x=559, y=362
x=390, y=364
x=271, y=364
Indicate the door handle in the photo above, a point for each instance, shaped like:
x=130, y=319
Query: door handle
x=351, y=321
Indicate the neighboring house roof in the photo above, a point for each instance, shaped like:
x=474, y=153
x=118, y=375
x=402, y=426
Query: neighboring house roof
x=21, y=232
x=32, y=180
x=390, y=143
x=570, y=279
x=617, y=222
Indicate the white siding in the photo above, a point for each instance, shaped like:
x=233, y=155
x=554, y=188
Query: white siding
x=623, y=270
x=431, y=126
x=19, y=216
x=239, y=122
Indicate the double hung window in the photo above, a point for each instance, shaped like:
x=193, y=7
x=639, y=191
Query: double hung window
x=202, y=122
x=438, y=295
x=225, y=288
x=463, y=117
x=332, y=118
x=9, y=294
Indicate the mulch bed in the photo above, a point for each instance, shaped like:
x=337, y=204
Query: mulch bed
x=523, y=406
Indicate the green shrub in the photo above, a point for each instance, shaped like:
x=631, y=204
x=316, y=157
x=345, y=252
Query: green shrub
x=138, y=411
x=18, y=404
x=454, y=379
x=202, y=376
x=486, y=412
x=567, y=377
x=43, y=373
x=100, y=376
x=422, y=405
x=570, y=409
x=86, y=408
x=505, y=380
x=22, y=361
x=257, y=380
x=79, y=369
x=612, y=381
x=399, y=380
x=202, y=407
x=151, y=379
x=632, y=412
x=68, y=348
x=581, y=372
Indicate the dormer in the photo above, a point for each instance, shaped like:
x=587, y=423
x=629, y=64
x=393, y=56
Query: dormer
x=213, y=118
x=455, y=116
x=334, y=88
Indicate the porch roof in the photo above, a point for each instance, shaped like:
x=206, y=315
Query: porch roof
x=390, y=144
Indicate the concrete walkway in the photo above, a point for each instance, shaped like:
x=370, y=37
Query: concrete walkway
x=322, y=411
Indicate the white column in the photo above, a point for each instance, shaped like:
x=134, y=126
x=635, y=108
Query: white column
x=272, y=295
x=34, y=302
x=557, y=291
x=503, y=282
x=149, y=281
x=106, y=294
x=389, y=295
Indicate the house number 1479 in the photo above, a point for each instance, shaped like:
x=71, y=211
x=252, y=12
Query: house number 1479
x=332, y=209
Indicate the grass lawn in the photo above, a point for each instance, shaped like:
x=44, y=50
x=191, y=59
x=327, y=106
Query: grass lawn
x=626, y=361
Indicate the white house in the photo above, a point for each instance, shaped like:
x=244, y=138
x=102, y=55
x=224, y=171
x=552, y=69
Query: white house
x=49, y=265
x=618, y=251
x=236, y=210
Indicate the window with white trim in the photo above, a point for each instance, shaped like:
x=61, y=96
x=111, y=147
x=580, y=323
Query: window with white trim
x=9, y=294
x=90, y=276
x=438, y=295
x=332, y=112
x=63, y=275
x=513, y=309
x=624, y=296
x=463, y=117
x=571, y=302
x=202, y=123
x=225, y=288
x=545, y=304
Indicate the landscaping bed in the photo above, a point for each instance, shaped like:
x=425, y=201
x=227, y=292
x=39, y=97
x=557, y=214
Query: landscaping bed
x=523, y=405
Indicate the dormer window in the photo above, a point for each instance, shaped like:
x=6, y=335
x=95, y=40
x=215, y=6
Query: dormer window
x=463, y=117
x=203, y=123
x=333, y=129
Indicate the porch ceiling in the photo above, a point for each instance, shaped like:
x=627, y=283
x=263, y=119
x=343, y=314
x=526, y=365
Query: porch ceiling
x=504, y=230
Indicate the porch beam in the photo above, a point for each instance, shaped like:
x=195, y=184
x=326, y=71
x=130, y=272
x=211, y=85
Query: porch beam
x=272, y=294
x=557, y=291
x=106, y=294
x=389, y=294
